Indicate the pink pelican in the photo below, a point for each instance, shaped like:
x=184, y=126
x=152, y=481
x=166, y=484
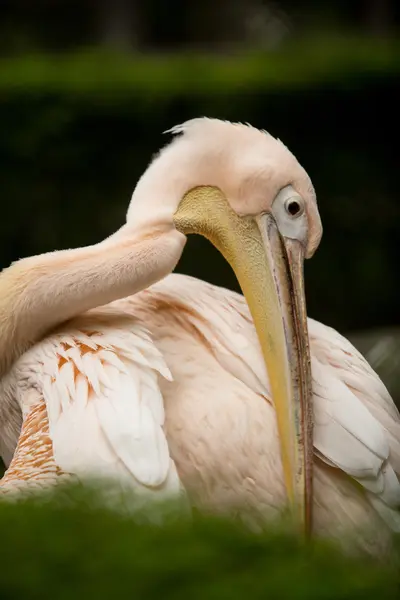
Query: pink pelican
x=113, y=366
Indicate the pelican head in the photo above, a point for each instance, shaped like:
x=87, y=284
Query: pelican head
x=245, y=191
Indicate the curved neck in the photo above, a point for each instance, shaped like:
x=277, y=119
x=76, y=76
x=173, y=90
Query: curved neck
x=40, y=292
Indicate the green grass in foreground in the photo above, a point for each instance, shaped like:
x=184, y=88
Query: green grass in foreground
x=76, y=549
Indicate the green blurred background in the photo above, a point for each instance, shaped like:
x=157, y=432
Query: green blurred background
x=87, y=88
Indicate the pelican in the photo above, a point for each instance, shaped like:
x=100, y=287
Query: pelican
x=114, y=366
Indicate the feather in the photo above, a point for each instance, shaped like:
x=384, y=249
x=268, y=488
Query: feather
x=105, y=407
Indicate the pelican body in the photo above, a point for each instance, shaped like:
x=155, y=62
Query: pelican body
x=114, y=367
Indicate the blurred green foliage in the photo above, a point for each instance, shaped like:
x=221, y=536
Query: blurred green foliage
x=305, y=62
x=77, y=549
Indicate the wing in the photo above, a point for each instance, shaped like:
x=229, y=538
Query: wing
x=357, y=425
x=99, y=382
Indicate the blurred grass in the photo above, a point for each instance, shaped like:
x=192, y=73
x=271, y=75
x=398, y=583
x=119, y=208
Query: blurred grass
x=300, y=63
x=76, y=549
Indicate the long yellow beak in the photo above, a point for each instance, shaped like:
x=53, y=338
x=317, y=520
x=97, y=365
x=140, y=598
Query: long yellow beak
x=269, y=270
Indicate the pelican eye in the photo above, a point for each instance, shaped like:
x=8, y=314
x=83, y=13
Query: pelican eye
x=293, y=207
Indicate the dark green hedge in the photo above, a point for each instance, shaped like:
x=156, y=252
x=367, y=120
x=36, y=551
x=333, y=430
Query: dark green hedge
x=301, y=63
x=77, y=131
x=55, y=550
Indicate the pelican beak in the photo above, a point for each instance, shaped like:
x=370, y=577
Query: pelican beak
x=269, y=269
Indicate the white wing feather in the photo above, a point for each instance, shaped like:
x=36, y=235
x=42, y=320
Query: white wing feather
x=104, y=404
x=357, y=425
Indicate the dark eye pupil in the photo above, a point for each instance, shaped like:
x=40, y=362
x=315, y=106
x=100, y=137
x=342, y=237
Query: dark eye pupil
x=293, y=208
